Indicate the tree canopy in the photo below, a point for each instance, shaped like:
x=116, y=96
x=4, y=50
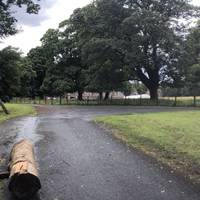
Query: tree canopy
x=106, y=44
x=9, y=72
x=191, y=60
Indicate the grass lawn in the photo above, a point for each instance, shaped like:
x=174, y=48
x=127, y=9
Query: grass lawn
x=172, y=138
x=16, y=110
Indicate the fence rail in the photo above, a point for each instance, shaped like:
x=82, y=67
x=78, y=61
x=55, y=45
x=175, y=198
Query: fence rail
x=162, y=101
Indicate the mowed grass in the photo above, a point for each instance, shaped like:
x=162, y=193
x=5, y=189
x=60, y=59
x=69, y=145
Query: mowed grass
x=172, y=138
x=16, y=110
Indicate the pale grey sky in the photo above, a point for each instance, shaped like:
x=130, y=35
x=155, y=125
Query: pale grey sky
x=34, y=26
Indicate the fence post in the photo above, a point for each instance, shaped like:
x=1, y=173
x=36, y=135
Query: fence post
x=45, y=100
x=60, y=100
x=175, y=101
x=157, y=101
x=124, y=102
x=140, y=100
x=195, y=102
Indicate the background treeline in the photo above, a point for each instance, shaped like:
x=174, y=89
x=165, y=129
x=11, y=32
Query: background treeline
x=106, y=44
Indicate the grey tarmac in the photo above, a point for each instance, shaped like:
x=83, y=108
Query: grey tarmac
x=80, y=160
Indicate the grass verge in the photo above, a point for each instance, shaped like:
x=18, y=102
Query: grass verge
x=16, y=110
x=172, y=138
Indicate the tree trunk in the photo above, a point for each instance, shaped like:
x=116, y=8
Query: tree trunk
x=100, y=96
x=153, y=93
x=4, y=108
x=80, y=95
x=60, y=100
x=151, y=81
x=106, y=96
x=24, y=182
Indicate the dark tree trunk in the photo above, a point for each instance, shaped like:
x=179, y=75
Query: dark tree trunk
x=80, y=95
x=151, y=82
x=60, y=100
x=106, y=96
x=51, y=100
x=100, y=96
x=153, y=93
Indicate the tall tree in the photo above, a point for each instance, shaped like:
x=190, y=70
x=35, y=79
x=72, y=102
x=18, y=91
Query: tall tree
x=105, y=61
x=49, y=47
x=9, y=72
x=191, y=60
x=38, y=62
x=8, y=21
x=27, y=78
x=43, y=60
x=70, y=56
x=152, y=34
x=98, y=34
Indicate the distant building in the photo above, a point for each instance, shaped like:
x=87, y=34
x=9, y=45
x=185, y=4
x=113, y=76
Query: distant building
x=94, y=96
x=138, y=96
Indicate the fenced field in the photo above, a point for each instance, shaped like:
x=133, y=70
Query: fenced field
x=162, y=101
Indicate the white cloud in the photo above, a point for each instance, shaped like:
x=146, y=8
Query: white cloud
x=196, y=2
x=49, y=17
x=30, y=36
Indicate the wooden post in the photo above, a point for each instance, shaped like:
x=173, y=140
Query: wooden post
x=51, y=100
x=175, y=101
x=24, y=182
x=195, y=102
x=60, y=100
x=140, y=100
x=4, y=108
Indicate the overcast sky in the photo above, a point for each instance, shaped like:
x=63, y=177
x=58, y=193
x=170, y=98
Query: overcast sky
x=34, y=26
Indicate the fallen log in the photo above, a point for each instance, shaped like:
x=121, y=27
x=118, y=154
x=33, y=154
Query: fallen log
x=24, y=182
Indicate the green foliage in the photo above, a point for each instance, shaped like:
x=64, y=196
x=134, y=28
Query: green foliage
x=9, y=71
x=64, y=68
x=191, y=60
x=127, y=88
x=193, y=79
x=38, y=62
x=97, y=29
x=27, y=77
x=105, y=61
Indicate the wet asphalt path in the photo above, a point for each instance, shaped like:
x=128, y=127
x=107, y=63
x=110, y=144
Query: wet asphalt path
x=80, y=160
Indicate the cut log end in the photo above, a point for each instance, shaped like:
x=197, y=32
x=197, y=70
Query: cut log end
x=24, y=186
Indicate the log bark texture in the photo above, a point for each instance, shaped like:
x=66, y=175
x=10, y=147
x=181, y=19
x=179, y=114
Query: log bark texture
x=24, y=181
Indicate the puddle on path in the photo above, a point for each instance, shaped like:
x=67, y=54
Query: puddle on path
x=27, y=129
